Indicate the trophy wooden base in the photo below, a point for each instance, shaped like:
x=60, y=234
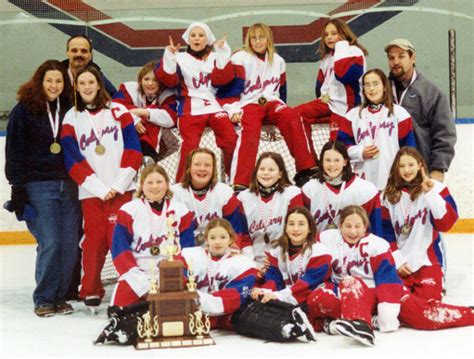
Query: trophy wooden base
x=174, y=342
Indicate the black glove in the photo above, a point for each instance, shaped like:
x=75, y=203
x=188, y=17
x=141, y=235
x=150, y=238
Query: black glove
x=19, y=199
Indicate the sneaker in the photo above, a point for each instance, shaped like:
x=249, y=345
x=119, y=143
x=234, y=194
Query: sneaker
x=63, y=307
x=45, y=310
x=239, y=188
x=356, y=329
x=303, y=326
x=304, y=176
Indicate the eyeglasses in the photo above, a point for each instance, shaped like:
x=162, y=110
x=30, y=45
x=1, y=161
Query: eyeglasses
x=369, y=85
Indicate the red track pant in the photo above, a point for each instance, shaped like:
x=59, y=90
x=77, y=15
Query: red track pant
x=288, y=122
x=192, y=128
x=99, y=221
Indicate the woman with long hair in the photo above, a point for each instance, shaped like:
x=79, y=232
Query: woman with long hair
x=42, y=192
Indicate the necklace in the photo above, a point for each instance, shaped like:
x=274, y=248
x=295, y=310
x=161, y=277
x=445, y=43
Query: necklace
x=210, y=278
x=405, y=229
x=332, y=220
x=300, y=266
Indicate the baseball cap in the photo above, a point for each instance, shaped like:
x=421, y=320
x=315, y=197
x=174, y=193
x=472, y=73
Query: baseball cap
x=401, y=43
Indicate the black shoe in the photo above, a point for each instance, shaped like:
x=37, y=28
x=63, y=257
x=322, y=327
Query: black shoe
x=72, y=297
x=356, y=329
x=239, y=188
x=304, y=176
x=303, y=330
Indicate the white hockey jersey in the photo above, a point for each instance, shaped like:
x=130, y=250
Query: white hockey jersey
x=140, y=239
x=223, y=283
x=96, y=173
x=325, y=201
x=429, y=214
x=197, y=79
x=219, y=201
x=376, y=127
x=294, y=277
x=339, y=76
x=265, y=219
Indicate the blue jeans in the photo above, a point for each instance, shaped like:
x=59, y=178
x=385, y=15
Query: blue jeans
x=56, y=229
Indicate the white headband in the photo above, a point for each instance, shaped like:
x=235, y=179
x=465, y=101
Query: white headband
x=210, y=36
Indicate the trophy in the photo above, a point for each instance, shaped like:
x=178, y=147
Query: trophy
x=199, y=324
x=153, y=281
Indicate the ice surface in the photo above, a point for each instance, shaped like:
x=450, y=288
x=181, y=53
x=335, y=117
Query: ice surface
x=24, y=334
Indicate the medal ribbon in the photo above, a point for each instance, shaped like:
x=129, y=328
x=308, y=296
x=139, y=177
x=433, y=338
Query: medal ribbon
x=300, y=266
x=338, y=203
x=204, y=206
x=261, y=74
x=218, y=266
x=155, y=229
x=407, y=212
x=54, y=122
x=377, y=118
x=347, y=258
x=100, y=127
x=266, y=208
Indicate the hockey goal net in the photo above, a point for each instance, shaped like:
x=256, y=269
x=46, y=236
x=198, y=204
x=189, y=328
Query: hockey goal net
x=270, y=140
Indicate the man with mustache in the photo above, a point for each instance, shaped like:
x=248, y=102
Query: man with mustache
x=433, y=122
x=79, y=54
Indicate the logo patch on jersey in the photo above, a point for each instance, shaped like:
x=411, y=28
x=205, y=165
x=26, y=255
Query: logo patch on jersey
x=256, y=226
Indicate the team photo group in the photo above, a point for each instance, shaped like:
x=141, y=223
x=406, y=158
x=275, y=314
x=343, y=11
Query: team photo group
x=348, y=246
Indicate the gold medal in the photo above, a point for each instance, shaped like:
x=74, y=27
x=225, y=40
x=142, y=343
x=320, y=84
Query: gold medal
x=266, y=238
x=155, y=250
x=199, y=239
x=325, y=98
x=331, y=226
x=405, y=230
x=262, y=101
x=55, y=148
x=100, y=149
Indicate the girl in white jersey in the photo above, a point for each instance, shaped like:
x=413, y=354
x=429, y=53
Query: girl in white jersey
x=376, y=130
x=265, y=204
x=154, y=107
x=298, y=264
x=260, y=98
x=336, y=187
x=142, y=235
x=203, y=194
x=102, y=154
x=415, y=209
x=364, y=280
x=338, y=87
x=223, y=277
x=197, y=74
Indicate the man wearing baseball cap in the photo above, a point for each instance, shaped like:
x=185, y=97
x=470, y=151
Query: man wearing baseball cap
x=432, y=117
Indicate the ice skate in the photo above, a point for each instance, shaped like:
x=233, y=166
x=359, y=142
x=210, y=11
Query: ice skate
x=303, y=325
x=356, y=329
x=92, y=303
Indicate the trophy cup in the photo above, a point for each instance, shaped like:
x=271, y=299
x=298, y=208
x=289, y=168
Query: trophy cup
x=173, y=245
x=191, y=285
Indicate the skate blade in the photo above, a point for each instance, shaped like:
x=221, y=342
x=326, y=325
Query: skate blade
x=93, y=310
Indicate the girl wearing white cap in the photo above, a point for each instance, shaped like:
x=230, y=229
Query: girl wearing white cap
x=197, y=73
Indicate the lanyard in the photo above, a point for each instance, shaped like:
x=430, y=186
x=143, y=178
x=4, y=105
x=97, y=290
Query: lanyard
x=394, y=91
x=54, y=121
